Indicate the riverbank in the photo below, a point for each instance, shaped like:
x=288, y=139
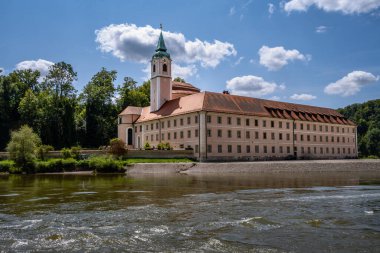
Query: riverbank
x=253, y=167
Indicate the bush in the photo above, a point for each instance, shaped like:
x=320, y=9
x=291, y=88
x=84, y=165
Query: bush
x=372, y=157
x=69, y=164
x=147, y=146
x=6, y=165
x=160, y=146
x=66, y=153
x=83, y=165
x=15, y=170
x=105, y=165
x=117, y=147
x=43, y=150
x=75, y=152
x=52, y=165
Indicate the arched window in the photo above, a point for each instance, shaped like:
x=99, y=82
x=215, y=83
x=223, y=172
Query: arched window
x=154, y=68
x=165, y=68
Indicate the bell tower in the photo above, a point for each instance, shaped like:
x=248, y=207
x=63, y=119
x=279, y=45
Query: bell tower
x=161, y=76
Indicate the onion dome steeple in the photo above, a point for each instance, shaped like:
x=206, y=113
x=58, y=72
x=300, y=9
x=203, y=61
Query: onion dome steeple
x=161, y=48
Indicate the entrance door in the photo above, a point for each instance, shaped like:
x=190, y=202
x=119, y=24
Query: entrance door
x=130, y=136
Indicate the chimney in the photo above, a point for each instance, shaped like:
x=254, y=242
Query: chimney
x=226, y=92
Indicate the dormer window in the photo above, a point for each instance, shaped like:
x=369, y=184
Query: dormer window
x=165, y=68
x=154, y=68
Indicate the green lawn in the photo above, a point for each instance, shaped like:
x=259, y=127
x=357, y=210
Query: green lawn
x=158, y=160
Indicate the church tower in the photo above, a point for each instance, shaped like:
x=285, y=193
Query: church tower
x=161, y=76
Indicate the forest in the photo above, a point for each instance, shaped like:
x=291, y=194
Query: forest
x=58, y=113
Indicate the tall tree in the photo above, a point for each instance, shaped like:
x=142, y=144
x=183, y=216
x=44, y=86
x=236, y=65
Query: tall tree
x=132, y=95
x=100, y=110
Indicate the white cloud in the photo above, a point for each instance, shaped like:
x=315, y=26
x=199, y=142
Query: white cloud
x=274, y=58
x=183, y=71
x=252, y=86
x=321, y=29
x=344, y=6
x=41, y=65
x=271, y=9
x=238, y=61
x=276, y=98
x=303, y=97
x=130, y=42
x=351, y=83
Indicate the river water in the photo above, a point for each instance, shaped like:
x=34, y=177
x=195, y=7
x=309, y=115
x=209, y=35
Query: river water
x=281, y=212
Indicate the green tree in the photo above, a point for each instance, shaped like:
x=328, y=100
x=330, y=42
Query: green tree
x=132, y=95
x=22, y=146
x=100, y=111
x=179, y=79
x=373, y=141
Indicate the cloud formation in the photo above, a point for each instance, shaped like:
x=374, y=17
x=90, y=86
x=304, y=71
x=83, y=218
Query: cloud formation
x=321, y=29
x=274, y=58
x=41, y=65
x=133, y=43
x=252, y=86
x=351, y=83
x=271, y=9
x=344, y=6
x=303, y=97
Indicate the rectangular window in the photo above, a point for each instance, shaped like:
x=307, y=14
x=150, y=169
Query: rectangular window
x=320, y=138
x=238, y=134
x=332, y=138
x=156, y=125
x=168, y=123
x=257, y=149
x=219, y=132
x=208, y=119
x=146, y=127
x=337, y=139
x=208, y=132
x=326, y=128
x=337, y=129
x=272, y=136
x=320, y=128
x=256, y=135
x=188, y=134
x=281, y=149
x=220, y=149
x=321, y=150
x=188, y=120
x=256, y=122
x=264, y=136
x=327, y=139
x=175, y=135
x=247, y=122
x=280, y=124
x=315, y=150
x=238, y=121
x=196, y=133
x=229, y=120
x=135, y=129
x=301, y=126
x=181, y=134
x=272, y=124
x=196, y=119
x=264, y=123
x=273, y=149
x=308, y=127
x=287, y=125
x=302, y=150
x=120, y=120
x=301, y=137
x=175, y=123
x=265, y=149
x=247, y=135
x=209, y=149
x=162, y=137
x=315, y=138
x=288, y=137
x=239, y=148
x=181, y=122
x=229, y=148
x=288, y=150
x=229, y=133
x=280, y=136
x=168, y=136
x=308, y=137
x=219, y=120
x=314, y=127
x=140, y=128
x=332, y=129
x=308, y=150
x=327, y=150
x=248, y=149
x=151, y=126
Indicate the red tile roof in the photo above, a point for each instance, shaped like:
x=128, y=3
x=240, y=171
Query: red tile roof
x=225, y=103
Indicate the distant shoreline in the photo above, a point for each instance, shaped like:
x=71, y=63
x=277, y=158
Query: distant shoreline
x=255, y=167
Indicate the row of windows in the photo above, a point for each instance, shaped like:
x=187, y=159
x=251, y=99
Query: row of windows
x=280, y=124
x=265, y=136
x=273, y=149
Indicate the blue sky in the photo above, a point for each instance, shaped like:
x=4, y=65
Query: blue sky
x=316, y=52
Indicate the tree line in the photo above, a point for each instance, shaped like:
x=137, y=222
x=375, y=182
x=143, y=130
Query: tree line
x=58, y=113
x=367, y=118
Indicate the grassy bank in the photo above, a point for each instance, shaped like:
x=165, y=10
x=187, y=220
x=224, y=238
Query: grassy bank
x=98, y=164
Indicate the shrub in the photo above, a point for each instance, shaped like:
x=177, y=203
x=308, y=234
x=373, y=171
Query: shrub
x=6, y=165
x=160, y=146
x=372, y=157
x=66, y=153
x=105, y=165
x=117, y=147
x=52, y=165
x=167, y=146
x=83, y=165
x=15, y=170
x=147, y=146
x=69, y=164
x=43, y=150
x=75, y=152
x=22, y=146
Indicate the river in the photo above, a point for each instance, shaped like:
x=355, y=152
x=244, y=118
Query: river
x=263, y=212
